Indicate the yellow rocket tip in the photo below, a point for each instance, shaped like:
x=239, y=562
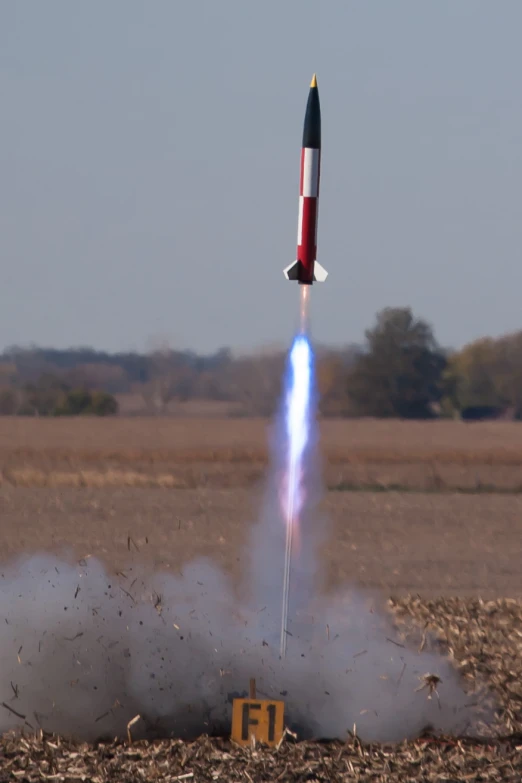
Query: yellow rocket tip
x=313, y=83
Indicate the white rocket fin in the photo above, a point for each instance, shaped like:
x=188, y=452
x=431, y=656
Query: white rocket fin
x=292, y=271
x=320, y=273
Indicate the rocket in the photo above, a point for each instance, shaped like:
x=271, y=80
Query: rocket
x=306, y=270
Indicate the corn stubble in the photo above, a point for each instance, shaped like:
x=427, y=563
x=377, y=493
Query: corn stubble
x=482, y=637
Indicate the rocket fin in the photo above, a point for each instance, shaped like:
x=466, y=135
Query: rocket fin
x=320, y=273
x=292, y=272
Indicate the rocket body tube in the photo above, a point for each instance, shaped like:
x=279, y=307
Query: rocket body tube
x=305, y=269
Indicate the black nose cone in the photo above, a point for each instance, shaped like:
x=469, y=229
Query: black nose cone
x=312, y=123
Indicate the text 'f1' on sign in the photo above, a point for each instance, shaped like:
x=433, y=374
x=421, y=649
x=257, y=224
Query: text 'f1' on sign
x=257, y=719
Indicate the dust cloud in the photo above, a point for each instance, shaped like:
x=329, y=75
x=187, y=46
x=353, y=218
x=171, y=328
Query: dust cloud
x=83, y=652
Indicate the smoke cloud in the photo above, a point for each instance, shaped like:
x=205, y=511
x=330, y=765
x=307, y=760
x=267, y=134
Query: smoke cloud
x=83, y=651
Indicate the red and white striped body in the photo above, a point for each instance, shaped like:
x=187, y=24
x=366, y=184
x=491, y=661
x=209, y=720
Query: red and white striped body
x=308, y=212
x=305, y=268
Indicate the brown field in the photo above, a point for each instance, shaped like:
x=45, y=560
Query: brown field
x=185, y=487
x=430, y=544
x=212, y=452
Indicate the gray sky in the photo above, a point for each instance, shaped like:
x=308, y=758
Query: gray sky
x=149, y=168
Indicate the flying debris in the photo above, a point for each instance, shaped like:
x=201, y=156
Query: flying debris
x=306, y=270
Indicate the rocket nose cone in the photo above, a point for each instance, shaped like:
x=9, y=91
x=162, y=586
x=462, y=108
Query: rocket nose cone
x=312, y=123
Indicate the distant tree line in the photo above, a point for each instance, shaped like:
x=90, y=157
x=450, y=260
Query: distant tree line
x=400, y=371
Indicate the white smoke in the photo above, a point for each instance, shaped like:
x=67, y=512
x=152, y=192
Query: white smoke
x=82, y=653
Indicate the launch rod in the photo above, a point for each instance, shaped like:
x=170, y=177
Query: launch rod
x=288, y=556
x=290, y=511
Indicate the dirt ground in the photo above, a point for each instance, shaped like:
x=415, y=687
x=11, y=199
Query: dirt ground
x=230, y=453
x=431, y=544
x=337, y=436
x=186, y=487
x=340, y=439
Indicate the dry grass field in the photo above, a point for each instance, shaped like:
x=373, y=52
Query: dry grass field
x=190, y=453
x=448, y=521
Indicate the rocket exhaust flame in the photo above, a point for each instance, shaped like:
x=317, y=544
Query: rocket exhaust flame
x=297, y=420
x=304, y=315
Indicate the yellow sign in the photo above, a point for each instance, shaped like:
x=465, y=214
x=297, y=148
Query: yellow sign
x=259, y=719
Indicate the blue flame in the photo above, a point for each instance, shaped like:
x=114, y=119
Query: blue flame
x=297, y=421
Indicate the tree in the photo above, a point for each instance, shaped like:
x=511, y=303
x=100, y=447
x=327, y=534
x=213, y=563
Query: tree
x=8, y=402
x=469, y=379
x=43, y=397
x=333, y=366
x=171, y=377
x=400, y=372
x=486, y=374
x=255, y=382
x=75, y=402
x=80, y=402
x=94, y=376
x=103, y=404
